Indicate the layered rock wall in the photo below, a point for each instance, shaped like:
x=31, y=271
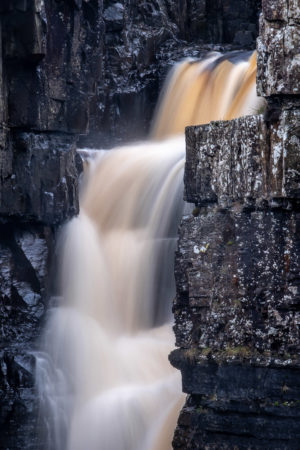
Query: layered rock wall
x=237, y=309
x=50, y=62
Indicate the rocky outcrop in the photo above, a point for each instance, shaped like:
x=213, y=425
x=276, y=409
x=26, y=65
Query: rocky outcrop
x=49, y=66
x=237, y=309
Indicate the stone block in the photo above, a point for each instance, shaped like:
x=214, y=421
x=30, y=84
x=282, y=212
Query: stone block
x=243, y=159
x=237, y=277
x=285, y=155
x=225, y=161
x=278, y=59
x=212, y=421
x=25, y=253
x=275, y=10
x=39, y=178
x=294, y=11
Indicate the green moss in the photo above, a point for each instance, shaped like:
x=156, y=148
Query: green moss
x=201, y=410
x=206, y=351
x=213, y=398
x=230, y=243
x=261, y=110
x=237, y=303
x=241, y=351
x=196, y=211
x=191, y=354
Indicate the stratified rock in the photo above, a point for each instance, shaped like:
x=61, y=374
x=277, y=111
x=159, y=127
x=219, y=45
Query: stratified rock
x=225, y=161
x=237, y=309
x=53, y=53
x=50, y=62
x=39, y=177
x=243, y=159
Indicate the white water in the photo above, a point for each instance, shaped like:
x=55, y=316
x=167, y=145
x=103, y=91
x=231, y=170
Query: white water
x=103, y=374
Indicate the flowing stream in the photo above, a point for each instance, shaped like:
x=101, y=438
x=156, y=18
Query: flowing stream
x=103, y=375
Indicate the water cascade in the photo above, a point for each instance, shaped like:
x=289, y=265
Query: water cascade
x=103, y=374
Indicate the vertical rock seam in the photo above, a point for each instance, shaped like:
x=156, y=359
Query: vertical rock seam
x=237, y=308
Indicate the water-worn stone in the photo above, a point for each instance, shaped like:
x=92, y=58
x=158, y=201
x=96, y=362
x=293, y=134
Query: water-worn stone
x=253, y=418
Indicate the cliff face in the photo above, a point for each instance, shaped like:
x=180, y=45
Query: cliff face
x=142, y=41
x=75, y=70
x=237, y=308
x=49, y=66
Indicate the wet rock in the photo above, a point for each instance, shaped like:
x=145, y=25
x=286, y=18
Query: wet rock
x=25, y=254
x=50, y=60
x=142, y=41
x=114, y=17
x=62, y=47
x=237, y=274
x=39, y=177
x=210, y=421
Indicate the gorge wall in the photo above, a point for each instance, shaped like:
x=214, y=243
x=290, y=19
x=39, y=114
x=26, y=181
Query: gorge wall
x=49, y=63
x=237, y=307
x=88, y=72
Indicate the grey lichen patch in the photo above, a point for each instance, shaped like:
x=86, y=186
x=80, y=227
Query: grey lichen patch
x=230, y=170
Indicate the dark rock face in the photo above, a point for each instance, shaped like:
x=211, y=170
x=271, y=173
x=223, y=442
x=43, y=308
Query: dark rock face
x=249, y=419
x=49, y=63
x=237, y=273
x=52, y=55
x=39, y=177
x=142, y=41
x=278, y=48
x=25, y=254
x=237, y=309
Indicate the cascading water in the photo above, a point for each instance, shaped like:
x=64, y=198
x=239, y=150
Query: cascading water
x=103, y=374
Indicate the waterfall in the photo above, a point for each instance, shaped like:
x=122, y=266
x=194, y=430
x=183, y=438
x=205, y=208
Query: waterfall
x=103, y=376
